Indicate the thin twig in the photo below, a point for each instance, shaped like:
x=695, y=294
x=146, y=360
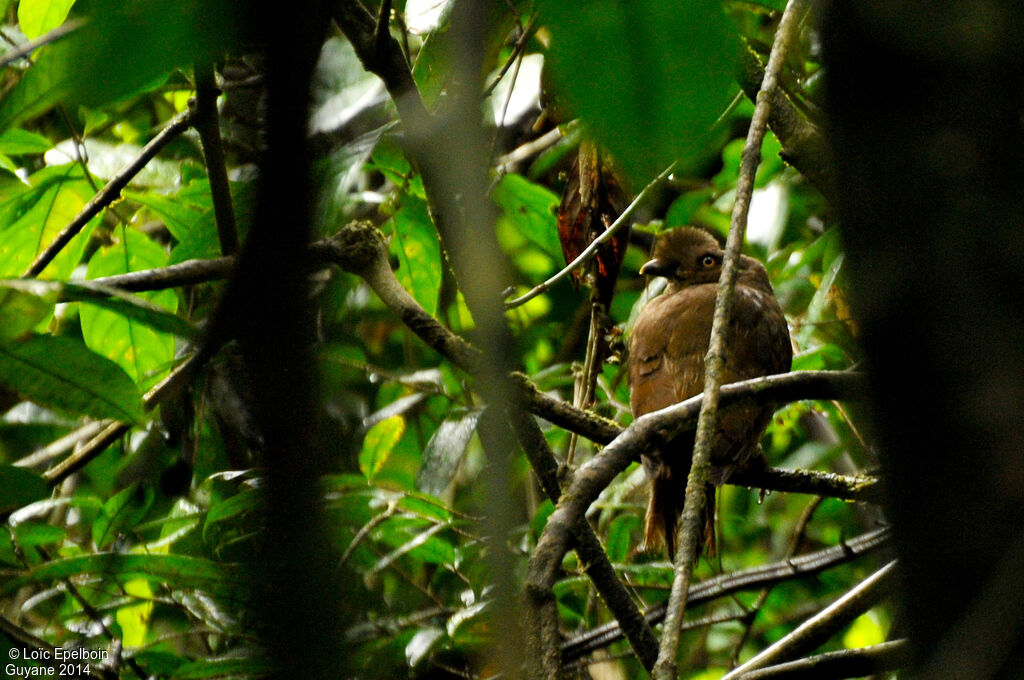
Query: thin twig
x=846, y=663
x=24, y=50
x=596, y=243
x=762, y=597
x=695, y=500
x=823, y=625
x=110, y=192
x=517, y=49
x=726, y=585
x=207, y=123
x=166, y=388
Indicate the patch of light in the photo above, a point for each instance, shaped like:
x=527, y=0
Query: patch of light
x=769, y=209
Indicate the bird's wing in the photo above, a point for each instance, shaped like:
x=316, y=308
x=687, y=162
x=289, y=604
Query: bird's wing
x=759, y=341
x=667, y=349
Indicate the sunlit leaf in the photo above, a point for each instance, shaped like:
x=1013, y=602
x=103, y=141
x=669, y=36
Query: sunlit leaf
x=134, y=619
x=419, y=253
x=36, y=17
x=60, y=198
x=420, y=645
x=123, y=48
x=34, y=299
x=17, y=141
x=142, y=352
x=865, y=631
x=530, y=208
x=59, y=372
x=380, y=440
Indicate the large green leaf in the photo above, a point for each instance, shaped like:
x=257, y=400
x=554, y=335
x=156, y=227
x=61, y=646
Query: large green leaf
x=17, y=142
x=648, y=77
x=124, y=48
x=142, y=352
x=419, y=253
x=188, y=215
x=530, y=209
x=380, y=440
x=62, y=373
x=33, y=299
x=177, y=571
x=37, y=216
x=122, y=513
x=36, y=17
x=19, y=487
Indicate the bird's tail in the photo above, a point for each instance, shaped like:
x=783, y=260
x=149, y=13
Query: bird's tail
x=663, y=509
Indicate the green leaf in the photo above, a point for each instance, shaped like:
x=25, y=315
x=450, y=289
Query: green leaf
x=46, y=212
x=244, y=501
x=177, y=571
x=530, y=208
x=124, y=48
x=145, y=354
x=19, y=487
x=647, y=77
x=31, y=534
x=416, y=540
x=441, y=458
x=122, y=513
x=226, y=667
x=416, y=246
x=36, y=17
x=61, y=373
x=19, y=294
x=380, y=440
x=21, y=310
x=865, y=631
x=18, y=142
x=188, y=215
x=815, y=311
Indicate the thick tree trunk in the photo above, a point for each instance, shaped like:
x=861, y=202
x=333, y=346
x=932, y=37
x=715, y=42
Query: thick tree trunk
x=925, y=103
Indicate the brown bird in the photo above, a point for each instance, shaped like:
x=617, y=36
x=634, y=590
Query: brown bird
x=666, y=366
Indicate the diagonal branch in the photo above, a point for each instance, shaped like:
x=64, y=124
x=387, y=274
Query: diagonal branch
x=592, y=247
x=110, y=192
x=715, y=361
x=208, y=126
x=826, y=623
x=763, y=576
x=847, y=663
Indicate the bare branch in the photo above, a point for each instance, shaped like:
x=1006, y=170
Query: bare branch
x=110, y=192
x=22, y=51
x=689, y=529
x=208, y=125
x=846, y=663
x=764, y=576
x=588, y=252
x=819, y=628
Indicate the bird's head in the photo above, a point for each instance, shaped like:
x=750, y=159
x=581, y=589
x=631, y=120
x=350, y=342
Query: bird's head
x=690, y=257
x=686, y=257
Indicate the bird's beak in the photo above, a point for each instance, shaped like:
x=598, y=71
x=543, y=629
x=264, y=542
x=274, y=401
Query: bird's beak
x=656, y=267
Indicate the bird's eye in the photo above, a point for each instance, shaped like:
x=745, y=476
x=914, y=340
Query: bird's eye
x=708, y=261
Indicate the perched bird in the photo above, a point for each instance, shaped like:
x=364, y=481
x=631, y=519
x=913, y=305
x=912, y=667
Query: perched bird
x=666, y=366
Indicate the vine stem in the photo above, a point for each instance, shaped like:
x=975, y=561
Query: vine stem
x=666, y=667
x=592, y=248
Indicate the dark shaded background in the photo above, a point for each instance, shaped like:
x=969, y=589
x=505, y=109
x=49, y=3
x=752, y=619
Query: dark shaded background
x=925, y=104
